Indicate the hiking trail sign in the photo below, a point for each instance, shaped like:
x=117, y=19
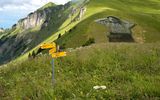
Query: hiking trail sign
x=54, y=52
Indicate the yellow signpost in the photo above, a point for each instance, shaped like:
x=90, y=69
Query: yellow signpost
x=54, y=53
x=48, y=46
x=53, y=50
x=58, y=54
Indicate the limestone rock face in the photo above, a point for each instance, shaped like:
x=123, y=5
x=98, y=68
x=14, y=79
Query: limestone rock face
x=82, y=12
x=32, y=20
x=80, y=9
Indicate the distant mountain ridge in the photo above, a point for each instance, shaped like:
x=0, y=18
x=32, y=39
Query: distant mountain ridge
x=35, y=19
x=34, y=29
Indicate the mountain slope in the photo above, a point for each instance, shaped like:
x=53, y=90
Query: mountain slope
x=32, y=30
x=80, y=27
x=129, y=71
x=146, y=17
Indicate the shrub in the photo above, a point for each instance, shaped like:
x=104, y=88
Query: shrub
x=89, y=42
x=59, y=36
x=29, y=56
x=33, y=54
x=39, y=51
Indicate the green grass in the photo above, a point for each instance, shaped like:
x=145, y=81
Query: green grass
x=129, y=71
x=144, y=14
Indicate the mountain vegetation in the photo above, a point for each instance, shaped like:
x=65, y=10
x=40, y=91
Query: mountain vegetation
x=84, y=28
x=129, y=71
x=32, y=30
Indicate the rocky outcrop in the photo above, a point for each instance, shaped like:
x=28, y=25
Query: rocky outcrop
x=78, y=10
x=32, y=20
x=82, y=12
x=41, y=17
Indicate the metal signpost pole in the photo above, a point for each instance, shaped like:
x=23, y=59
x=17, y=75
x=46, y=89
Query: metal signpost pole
x=55, y=53
x=53, y=71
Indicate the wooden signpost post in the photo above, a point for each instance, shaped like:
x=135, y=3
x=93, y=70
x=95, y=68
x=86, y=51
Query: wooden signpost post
x=54, y=52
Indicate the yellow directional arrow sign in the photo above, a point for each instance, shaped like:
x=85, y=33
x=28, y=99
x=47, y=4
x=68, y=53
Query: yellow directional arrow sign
x=59, y=54
x=53, y=50
x=54, y=53
x=48, y=46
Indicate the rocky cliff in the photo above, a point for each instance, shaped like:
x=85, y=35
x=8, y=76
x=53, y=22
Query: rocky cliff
x=23, y=37
x=80, y=8
x=40, y=17
x=32, y=20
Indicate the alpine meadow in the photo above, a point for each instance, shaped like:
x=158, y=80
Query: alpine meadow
x=94, y=50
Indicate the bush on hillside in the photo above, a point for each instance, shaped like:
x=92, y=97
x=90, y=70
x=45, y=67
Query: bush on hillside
x=59, y=36
x=89, y=42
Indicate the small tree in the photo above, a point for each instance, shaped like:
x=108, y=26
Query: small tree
x=59, y=36
x=33, y=54
x=29, y=55
x=70, y=30
x=39, y=51
x=89, y=42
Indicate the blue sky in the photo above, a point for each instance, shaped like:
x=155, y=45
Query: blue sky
x=13, y=10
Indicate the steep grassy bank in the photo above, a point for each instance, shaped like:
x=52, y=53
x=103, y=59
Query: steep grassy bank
x=127, y=70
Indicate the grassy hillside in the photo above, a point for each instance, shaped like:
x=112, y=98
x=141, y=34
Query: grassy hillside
x=129, y=71
x=145, y=14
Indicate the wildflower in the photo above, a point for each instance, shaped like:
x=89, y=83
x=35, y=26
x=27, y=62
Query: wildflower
x=96, y=87
x=99, y=87
x=103, y=87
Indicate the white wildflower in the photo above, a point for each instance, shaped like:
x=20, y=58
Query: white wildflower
x=96, y=87
x=103, y=87
x=99, y=87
